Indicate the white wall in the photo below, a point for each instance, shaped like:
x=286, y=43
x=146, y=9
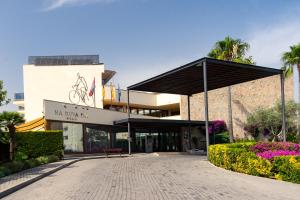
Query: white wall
x=144, y=98
x=165, y=99
x=82, y=114
x=55, y=83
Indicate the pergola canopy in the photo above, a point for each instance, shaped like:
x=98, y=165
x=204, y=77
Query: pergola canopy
x=188, y=79
x=154, y=123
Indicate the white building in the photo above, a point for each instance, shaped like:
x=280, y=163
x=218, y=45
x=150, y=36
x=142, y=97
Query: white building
x=56, y=97
x=69, y=79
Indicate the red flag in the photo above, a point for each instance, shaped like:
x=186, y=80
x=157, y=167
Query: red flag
x=92, y=90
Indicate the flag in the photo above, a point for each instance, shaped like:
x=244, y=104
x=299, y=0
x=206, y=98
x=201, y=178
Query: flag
x=119, y=93
x=103, y=92
x=92, y=90
x=112, y=91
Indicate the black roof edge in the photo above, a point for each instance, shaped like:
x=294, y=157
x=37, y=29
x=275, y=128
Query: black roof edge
x=199, y=61
x=209, y=60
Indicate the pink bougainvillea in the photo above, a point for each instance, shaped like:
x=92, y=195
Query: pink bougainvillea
x=270, y=154
x=275, y=146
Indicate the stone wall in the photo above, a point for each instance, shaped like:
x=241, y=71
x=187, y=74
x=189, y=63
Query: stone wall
x=246, y=98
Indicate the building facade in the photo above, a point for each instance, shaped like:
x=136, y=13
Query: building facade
x=57, y=96
x=245, y=98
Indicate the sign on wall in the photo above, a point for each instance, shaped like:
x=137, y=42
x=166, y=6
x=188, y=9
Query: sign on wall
x=60, y=111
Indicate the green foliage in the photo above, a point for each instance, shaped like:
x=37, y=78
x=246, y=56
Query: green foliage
x=3, y=93
x=17, y=166
x=14, y=166
x=231, y=49
x=4, y=137
x=53, y=158
x=40, y=143
x=19, y=156
x=290, y=59
x=287, y=168
x=5, y=171
x=237, y=157
x=11, y=119
x=266, y=122
x=219, y=138
x=42, y=160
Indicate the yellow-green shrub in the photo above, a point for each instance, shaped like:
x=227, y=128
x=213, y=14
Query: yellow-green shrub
x=237, y=157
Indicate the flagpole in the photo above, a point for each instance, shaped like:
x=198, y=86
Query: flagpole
x=95, y=98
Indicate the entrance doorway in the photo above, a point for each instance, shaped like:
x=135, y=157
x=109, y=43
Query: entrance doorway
x=157, y=141
x=96, y=140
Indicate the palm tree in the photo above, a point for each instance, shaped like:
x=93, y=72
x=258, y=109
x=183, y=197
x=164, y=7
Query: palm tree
x=9, y=120
x=290, y=59
x=235, y=50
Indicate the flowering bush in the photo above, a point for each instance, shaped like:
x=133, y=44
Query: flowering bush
x=218, y=126
x=280, y=161
x=275, y=146
x=270, y=154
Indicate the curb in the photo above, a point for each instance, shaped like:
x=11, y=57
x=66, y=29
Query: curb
x=26, y=183
x=29, y=182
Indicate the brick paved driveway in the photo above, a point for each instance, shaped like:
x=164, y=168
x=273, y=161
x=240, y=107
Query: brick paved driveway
x=154, y=177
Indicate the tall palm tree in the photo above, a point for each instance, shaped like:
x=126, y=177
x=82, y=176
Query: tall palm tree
x=235, y=50
x=9, y=120
x=290, y=59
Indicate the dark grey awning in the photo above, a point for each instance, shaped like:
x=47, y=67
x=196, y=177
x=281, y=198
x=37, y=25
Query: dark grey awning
x=152, y=123
x=188, y=79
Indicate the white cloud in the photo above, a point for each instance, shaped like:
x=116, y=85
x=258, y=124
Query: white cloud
x=269, y=43
x=54, y=4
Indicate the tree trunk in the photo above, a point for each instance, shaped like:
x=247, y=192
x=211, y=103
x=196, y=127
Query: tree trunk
x=230, y=125
x=12, y=141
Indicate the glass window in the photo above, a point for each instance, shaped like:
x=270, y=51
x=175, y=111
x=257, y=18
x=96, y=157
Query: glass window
x=73, y=137
x=97, y=140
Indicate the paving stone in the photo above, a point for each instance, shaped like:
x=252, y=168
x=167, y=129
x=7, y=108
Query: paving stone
x=166, y=177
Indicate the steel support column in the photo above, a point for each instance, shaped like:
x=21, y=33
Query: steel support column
x=189, y=118
x=206, y=105
x=283, y=106
x=128, y=124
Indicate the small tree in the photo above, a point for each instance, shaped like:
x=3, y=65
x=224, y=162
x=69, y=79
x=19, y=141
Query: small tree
x=3, y=94
x=9, y=120
x=267, y=122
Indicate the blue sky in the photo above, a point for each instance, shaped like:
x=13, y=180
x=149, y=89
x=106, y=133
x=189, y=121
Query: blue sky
x=140, y=38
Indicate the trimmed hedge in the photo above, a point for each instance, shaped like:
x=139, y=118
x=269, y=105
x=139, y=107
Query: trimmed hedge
x=238, y=157
x=34, y=144
x=219, y=138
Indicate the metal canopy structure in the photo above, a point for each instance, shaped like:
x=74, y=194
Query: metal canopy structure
x=188, y=79
x=203, y=75
x=157, y=123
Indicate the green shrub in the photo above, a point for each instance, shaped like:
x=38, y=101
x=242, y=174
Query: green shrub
x=2, y=174
x=287, y=168
x=5, y=171
x=30, y=163
x=17, y=166
x=238, y=157
x=219, y=138
x=19, y=156
x=53, y=158
x=14, y=166
x=42, y=160
x=39, y=143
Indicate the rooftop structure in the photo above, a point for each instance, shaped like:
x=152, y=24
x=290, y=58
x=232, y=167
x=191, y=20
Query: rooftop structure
x=64, y=60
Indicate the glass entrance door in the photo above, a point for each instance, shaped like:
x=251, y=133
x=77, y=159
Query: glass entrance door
x=96, y=140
